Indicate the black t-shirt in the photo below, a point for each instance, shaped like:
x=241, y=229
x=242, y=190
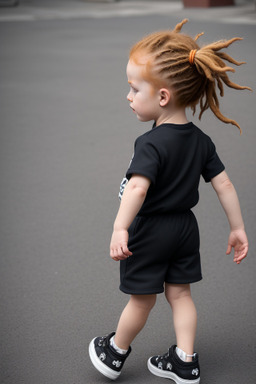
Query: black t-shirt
x=173, y=157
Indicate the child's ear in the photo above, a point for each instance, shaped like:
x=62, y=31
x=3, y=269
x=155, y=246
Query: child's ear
x=165, y=96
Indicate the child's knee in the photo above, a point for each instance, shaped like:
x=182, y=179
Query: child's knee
x=174, y=292
x=146, y=302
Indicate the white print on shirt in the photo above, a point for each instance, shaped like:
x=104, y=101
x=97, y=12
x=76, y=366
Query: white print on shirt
x=124, y=183
x=122, y=187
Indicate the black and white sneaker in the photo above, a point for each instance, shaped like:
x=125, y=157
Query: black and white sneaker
x=105, y=358
x=170, y=366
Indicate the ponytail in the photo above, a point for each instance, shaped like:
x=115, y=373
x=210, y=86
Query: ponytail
x=193, y=73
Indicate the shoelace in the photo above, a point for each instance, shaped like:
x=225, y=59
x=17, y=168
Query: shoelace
x=162, y=357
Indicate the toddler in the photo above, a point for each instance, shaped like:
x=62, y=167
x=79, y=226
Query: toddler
x=155, y=235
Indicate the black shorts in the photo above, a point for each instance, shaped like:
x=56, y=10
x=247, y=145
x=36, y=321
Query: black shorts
x=165, y=250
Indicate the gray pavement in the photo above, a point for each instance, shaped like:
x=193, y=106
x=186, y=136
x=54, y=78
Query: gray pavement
x=66, y=139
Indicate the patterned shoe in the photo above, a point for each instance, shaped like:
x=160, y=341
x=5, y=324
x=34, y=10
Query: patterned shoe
x=170, y=366
x=104, y=357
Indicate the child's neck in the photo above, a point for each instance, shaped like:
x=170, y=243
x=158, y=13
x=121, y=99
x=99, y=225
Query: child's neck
x=175, y=117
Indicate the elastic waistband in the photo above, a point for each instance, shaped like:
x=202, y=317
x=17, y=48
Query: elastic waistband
x=165, y=214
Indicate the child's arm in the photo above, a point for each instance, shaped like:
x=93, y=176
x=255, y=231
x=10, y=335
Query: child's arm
x=230, y=203
x=133, y=197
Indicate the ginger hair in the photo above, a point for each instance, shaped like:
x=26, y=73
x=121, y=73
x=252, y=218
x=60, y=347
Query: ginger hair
x=175, y=59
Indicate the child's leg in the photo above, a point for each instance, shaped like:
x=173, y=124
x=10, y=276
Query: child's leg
x=109, y=354
x=133, y=319
x=184, y=315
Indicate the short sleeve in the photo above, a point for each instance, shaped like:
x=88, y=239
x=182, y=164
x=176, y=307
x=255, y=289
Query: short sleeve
x=213, y=165
x=146, y=160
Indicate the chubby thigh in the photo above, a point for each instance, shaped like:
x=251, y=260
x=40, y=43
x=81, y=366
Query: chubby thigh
x=165, y=249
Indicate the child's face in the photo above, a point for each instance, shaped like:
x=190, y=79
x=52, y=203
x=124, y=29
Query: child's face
x=143, y=98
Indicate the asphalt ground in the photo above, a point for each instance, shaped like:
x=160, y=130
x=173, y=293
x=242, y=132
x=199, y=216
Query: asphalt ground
x=66, y=139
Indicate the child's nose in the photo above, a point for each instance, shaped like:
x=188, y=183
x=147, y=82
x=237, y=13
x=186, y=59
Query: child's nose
x=129, y=97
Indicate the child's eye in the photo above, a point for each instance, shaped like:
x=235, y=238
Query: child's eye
x=134, y=90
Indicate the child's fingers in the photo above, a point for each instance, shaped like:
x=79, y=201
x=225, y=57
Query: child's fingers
x=229, y=248
x=120, y=253
x=240, y=255
x=115, y=254
x=126, y=251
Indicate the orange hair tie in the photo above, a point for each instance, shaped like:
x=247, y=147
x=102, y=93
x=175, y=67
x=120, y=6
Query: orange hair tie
x=192, y=56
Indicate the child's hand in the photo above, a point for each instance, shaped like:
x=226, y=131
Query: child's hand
x=118, y=245
x=238, y=240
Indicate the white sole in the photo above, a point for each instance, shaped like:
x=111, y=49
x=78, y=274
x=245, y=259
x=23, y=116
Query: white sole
x=169, y=375
x=101, y=367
